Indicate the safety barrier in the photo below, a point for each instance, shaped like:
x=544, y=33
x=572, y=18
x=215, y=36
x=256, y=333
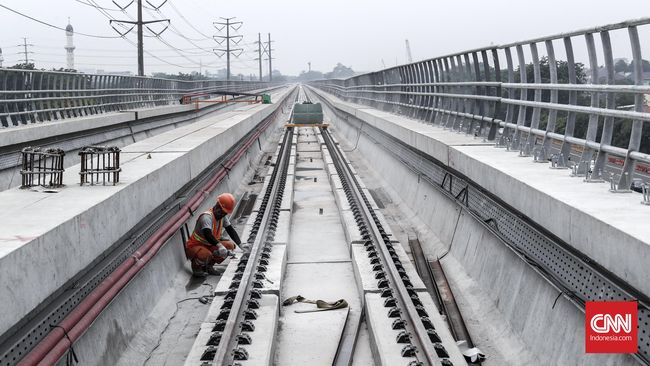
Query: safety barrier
x=566, y=116
x=31, y=96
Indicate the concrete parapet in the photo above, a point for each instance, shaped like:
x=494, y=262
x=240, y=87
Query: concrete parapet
x=24, y=134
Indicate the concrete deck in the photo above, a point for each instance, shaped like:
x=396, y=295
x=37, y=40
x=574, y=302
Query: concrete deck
x=61, y=233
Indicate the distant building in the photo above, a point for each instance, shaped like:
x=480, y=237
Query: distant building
x=1, y=58
x=69, y=46
x=118, y=73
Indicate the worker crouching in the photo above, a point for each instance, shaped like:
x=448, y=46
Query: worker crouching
x=205, y=247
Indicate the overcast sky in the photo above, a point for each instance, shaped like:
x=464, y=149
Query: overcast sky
x=363, y=34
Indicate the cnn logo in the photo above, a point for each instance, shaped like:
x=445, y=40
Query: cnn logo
x=611, y=327
x=605, y=323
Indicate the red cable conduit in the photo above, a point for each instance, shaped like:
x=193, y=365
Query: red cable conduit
x=51, y=348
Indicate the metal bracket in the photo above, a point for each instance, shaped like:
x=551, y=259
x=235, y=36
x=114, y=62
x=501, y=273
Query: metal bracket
x=646, y=194
x=539, y=154
x=558, y=161
x=614, y=185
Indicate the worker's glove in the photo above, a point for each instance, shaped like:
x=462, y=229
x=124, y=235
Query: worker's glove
x=221, y=252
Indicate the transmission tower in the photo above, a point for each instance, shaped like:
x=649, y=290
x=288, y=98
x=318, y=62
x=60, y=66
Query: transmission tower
x=229, y=24
x=140, y=24
x=259, y=53
x=25, y=51
x=269, y=53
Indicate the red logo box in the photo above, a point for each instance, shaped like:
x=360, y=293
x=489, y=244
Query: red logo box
x=611, y=327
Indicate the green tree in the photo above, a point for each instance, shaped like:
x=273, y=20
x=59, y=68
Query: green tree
x=340, y=71
x=310, y=75
x=621, y=66
x=645, y=66
x=24, y=66
x=622, y=127
x=562, y=68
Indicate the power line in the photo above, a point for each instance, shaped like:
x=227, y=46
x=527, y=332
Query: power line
x=54, y=26
x=95, y=56
x=177, y=31
x=122, y=50
x=97, y=6
x=171, y=4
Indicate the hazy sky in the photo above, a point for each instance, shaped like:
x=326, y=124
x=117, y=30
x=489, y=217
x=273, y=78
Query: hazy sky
x=363, y=34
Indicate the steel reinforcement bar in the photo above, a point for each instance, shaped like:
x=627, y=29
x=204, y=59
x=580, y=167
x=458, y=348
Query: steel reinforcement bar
x=471, y=92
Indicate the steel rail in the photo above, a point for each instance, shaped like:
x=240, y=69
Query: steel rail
x=224, y=354
x=414, y=321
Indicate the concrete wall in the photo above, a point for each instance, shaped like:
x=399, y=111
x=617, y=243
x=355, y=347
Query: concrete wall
x=553, y=332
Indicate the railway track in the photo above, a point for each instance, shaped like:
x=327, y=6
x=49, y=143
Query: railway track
x=390, y=318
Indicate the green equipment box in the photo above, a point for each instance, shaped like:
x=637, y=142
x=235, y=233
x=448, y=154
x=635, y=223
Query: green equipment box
x=307, y=113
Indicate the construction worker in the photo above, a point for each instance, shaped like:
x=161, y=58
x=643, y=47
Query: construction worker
x=205, y=247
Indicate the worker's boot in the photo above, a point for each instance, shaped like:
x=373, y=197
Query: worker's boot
x=198, y=270
x=213, y=271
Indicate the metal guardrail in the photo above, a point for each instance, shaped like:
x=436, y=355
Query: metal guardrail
x=470, y=92
x=32, y=96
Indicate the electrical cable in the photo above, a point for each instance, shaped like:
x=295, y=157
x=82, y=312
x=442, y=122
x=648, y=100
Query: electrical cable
x=54, y=26
x=171, y=4
x=98, y=7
